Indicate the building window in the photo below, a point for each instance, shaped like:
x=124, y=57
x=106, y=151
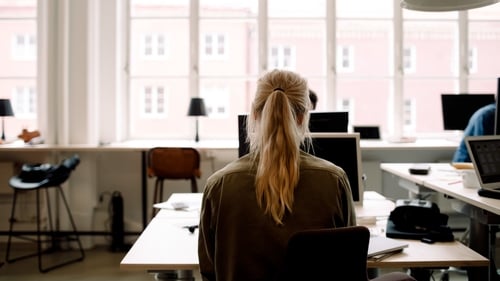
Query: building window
x=214, y=46
x=409, y=59
x=154, y=102
x=282, y=57
x=24, y=102
x=473, y=60
x=345, y=59
x=23, y=47
x=409, y=114
x=154, y=46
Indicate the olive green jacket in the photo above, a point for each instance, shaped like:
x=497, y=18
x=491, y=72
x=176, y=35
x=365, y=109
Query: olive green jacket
x=238, y=242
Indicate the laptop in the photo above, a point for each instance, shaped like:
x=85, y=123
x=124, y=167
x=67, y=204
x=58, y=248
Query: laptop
x=485, y=155
x=380, y=246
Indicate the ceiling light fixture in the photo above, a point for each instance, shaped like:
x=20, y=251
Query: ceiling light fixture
x=444, y=5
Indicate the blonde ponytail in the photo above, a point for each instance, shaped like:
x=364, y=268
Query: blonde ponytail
x=277, y=126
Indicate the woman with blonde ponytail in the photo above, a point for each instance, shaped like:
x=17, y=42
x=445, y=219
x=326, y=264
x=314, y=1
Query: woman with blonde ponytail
x=253, y=205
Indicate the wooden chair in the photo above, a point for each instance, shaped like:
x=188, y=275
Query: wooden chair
x=48, y=177
x=173, y=163
x=332, y=254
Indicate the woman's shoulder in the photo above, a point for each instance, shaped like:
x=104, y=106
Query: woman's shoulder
x=243, y=164
x=309, y=161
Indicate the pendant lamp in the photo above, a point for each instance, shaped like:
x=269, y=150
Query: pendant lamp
x=444, y=5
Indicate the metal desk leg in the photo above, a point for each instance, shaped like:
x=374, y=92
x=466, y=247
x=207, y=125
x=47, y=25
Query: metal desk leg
x=144, y=189
x=480, y=232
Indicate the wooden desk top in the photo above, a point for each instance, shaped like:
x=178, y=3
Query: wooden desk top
x=132, y=145
x=140, y=145
x=445, y=179
x=439, y=254
x=166, y=244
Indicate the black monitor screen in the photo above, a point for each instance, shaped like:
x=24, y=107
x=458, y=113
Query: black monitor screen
x=319, y=122
x=343, y=150
x=328, y=122
x=458, y=108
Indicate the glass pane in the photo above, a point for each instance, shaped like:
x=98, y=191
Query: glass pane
x=436, y=47
x=18, y=9
x=358, y=41
x=367, y=101
x=228, y=47
x=23, y=97
x=19, y=48
x=425, y=94
x=225, y=99
x=159, y=47
x=484, y=85
x=484, y=40
x=159, y=8
x=364, y=8
x=228, y=8
x=298, y=45
x=296, y=8
x=18, y=61
x=491, y=12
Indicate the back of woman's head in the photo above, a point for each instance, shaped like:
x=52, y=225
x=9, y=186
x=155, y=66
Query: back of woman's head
x=277, y=126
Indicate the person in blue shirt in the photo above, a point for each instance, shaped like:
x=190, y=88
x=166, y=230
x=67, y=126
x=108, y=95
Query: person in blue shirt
x=481, y=123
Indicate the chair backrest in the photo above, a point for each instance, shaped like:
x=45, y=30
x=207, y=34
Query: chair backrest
x=174, y=163
x=328, y=254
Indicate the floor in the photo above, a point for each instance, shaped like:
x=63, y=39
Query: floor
x=102, y=264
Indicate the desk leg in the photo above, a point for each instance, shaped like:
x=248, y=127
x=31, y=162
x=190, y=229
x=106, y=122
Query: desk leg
x=144, y=189
x=480, y=232
x=175, y=275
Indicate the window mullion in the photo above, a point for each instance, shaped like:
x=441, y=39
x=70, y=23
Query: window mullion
x=463, y=47
x=194, y=45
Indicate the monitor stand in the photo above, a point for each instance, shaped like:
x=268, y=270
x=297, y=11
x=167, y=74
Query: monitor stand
x=491, y=193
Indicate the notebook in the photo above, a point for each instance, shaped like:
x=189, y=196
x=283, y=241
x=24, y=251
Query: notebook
x=381, y=245
x=485, y=155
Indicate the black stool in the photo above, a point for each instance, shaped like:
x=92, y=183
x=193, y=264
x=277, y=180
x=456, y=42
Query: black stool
x=43, y=177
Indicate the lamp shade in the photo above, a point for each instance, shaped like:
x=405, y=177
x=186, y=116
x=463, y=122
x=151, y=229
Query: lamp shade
x=444, y=5
x=197, y=107
x=6, y=108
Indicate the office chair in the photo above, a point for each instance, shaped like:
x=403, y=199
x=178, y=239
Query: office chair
x=173, y=163
x=37, y=178
x=332, y=254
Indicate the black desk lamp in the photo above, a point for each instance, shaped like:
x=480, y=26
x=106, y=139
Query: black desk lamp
x=197, y=108
x=5, y=110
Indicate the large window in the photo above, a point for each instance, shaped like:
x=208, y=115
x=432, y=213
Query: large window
x=368, y=57
x=18, y=64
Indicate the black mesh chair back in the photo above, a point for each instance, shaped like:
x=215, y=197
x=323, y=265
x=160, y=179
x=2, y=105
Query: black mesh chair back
x=332, y=254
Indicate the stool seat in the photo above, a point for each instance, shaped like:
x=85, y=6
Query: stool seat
x=43, y=177
x=18, y=183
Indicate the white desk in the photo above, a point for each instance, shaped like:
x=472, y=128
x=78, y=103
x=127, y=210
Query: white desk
x=484, y=213
x=445, y=179
x=165, y=245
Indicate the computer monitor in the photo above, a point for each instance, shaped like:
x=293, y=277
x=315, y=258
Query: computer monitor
x=331, y=122
x=367, y=132
x=328, y=122
x=458, y=108
x=343, y=150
